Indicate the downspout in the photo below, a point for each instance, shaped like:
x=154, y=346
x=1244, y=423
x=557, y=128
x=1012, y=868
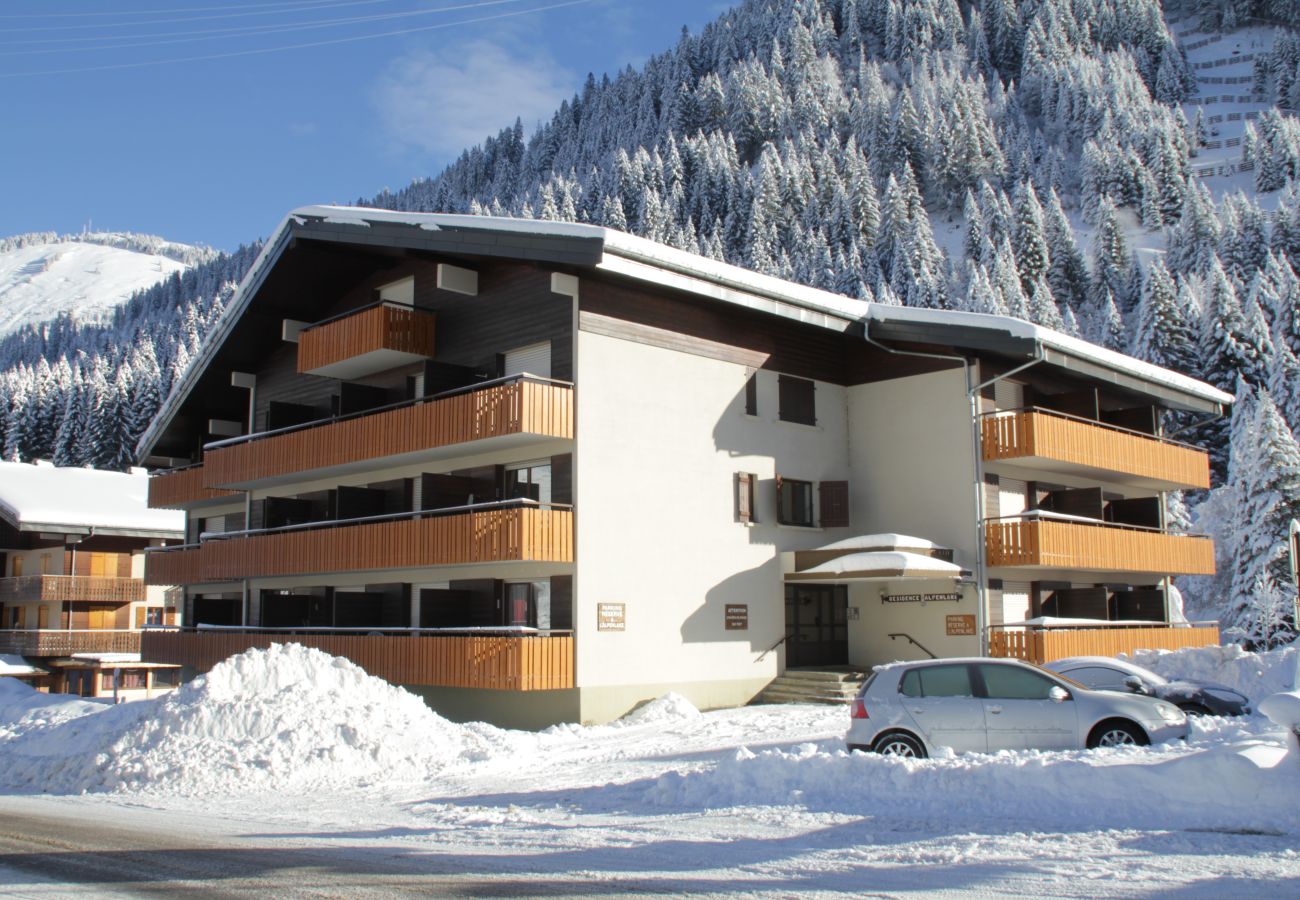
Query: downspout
x=972, y=396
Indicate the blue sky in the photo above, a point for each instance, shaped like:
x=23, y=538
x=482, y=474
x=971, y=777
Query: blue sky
x=205, y=121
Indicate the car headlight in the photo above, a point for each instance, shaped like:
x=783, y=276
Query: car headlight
x=1171, y=713
x=1226, y=696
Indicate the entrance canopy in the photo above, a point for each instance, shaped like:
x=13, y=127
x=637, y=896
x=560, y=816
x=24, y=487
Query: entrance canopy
x=872, y=557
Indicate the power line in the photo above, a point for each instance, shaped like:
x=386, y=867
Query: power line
x=154, y=12
x=307, y=6
x=265, y=50
x=181, y=37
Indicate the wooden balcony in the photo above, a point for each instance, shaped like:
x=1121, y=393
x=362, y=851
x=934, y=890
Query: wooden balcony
x=517, y=408
x=366, y=341
x=1055, y=442
x=71, y=588
x=183, y=489
x=497, y=662
x=61, y=642
x=497, y=533
x=1043, y=645
x=1088, y=547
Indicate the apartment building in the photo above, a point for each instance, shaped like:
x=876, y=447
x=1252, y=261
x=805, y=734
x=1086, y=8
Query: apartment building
x=543, y=472
x=73, y=600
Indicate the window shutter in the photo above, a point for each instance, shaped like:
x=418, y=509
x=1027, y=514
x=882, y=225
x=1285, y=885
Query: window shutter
x=139, y=617
x=834, y=504
x=744, y=497
x=796, y=400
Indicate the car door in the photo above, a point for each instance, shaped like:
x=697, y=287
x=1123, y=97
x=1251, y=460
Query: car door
x=1019, y=712
x=941, y=701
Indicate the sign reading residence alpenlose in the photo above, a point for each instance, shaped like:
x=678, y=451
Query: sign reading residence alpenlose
x=919, y=598
x=611, y=616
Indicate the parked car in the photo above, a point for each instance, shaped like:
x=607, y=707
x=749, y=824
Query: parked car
x=982, y=705
x=1192, y=696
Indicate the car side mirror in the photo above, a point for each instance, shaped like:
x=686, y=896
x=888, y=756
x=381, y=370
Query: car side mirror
x=1134, y=684
x=1058, y=694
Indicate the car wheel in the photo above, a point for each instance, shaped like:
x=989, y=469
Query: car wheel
x=1117, y=733
x=1195, y=709
x=899, y=745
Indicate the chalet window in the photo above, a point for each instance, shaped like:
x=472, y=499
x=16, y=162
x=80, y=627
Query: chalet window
x=834, y=502
x=751, y=394
x=794, y=502
x=745, y=497
x=796, y=400
x=530, y=481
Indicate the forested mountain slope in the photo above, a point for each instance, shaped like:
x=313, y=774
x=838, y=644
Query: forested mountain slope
x=1111, y=168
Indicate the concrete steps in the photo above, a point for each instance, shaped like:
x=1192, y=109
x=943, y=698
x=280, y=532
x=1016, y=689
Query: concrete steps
x=813, y=686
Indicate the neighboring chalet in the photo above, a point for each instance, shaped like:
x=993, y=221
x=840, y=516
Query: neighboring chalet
x=72, y=597
x=542, y=471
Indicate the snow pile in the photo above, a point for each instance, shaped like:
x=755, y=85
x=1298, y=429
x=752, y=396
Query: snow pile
x=1252, y=785
x=666, y=710
x=24, y=709
x=1254, y=674
x=288, y=719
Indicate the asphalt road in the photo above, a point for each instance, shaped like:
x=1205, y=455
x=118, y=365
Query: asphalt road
x=54, y=853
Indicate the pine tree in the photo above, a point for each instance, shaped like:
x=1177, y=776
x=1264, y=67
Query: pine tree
x=1166, y=333
x=1029, y=240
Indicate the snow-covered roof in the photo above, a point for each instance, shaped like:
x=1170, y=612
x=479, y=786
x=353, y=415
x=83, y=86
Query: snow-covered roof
x=43, y=497
x=634, y=257
x=887, y=541
x=880, y=565
x=12, y=664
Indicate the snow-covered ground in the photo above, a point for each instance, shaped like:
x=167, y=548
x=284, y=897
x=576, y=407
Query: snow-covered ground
x=88, y=278
x=304, y=750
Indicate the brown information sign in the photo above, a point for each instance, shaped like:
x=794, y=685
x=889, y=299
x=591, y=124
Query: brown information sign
x=737, y=616
x=960, y=625
x=611, y=616
x=919, y=598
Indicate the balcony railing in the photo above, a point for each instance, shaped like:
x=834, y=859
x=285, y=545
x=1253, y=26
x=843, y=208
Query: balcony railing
x=365, y=341
x=1041, y=645
x=519, y=405
x=182, y=489
x=540, y=661
x=62, y=642
x=489, y=532
x=1095, y=546
x=1037, y=436
x=74, y=588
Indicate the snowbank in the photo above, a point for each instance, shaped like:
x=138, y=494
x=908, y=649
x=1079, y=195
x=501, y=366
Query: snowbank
x=665, y=710
x=288, y=719
x=1253, y=785
x=1256, y=675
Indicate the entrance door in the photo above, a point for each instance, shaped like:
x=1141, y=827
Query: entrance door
x=816, y=625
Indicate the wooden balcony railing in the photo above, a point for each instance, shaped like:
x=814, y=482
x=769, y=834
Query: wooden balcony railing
x=182, y=489
x=60, y=588
x=366, y=341
x=1041, y=645
x=1060, y=438
x=62, y=642
x=533, y=662
x=1095, y=547
x=489, y=533
x=519, y=405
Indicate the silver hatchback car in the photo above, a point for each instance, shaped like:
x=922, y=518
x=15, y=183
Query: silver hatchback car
x=981, y=705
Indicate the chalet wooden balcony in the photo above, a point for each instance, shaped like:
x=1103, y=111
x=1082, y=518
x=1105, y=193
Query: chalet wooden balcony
x=365, y=341
x=62, y=642
x=1056, y=442
x=1043, y=645
x=517, y=409
x=1095, y=547
x=183, y=489
x=510, y=531
x=70, y=588
x=507, y=662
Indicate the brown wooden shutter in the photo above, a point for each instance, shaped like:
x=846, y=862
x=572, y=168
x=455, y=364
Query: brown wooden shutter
x=744, y=497
x=139, y=617
x=834, y=504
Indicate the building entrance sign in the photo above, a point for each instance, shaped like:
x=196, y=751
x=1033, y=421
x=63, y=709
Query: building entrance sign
x=919, y=598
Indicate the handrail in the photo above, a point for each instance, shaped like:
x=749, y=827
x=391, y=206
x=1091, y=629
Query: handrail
x=174, y=469
x=902, y=634
x=517, y=502
x=396, y=304
x=1094, y=422
x=376, y=630
x=1046, y=515
x=1101, y=623
x=414, y=401
x=783, y=639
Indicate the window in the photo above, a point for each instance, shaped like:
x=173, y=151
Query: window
x=796, y=400
x=833, y=497
x=745, y=497
x=937, y=681
x=751, y=394
x=794, y=502
x=535, y=359
x=531, y=481
x=1099, y=678
x=1012, y=683
x=528, y=603
x=153, y=615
